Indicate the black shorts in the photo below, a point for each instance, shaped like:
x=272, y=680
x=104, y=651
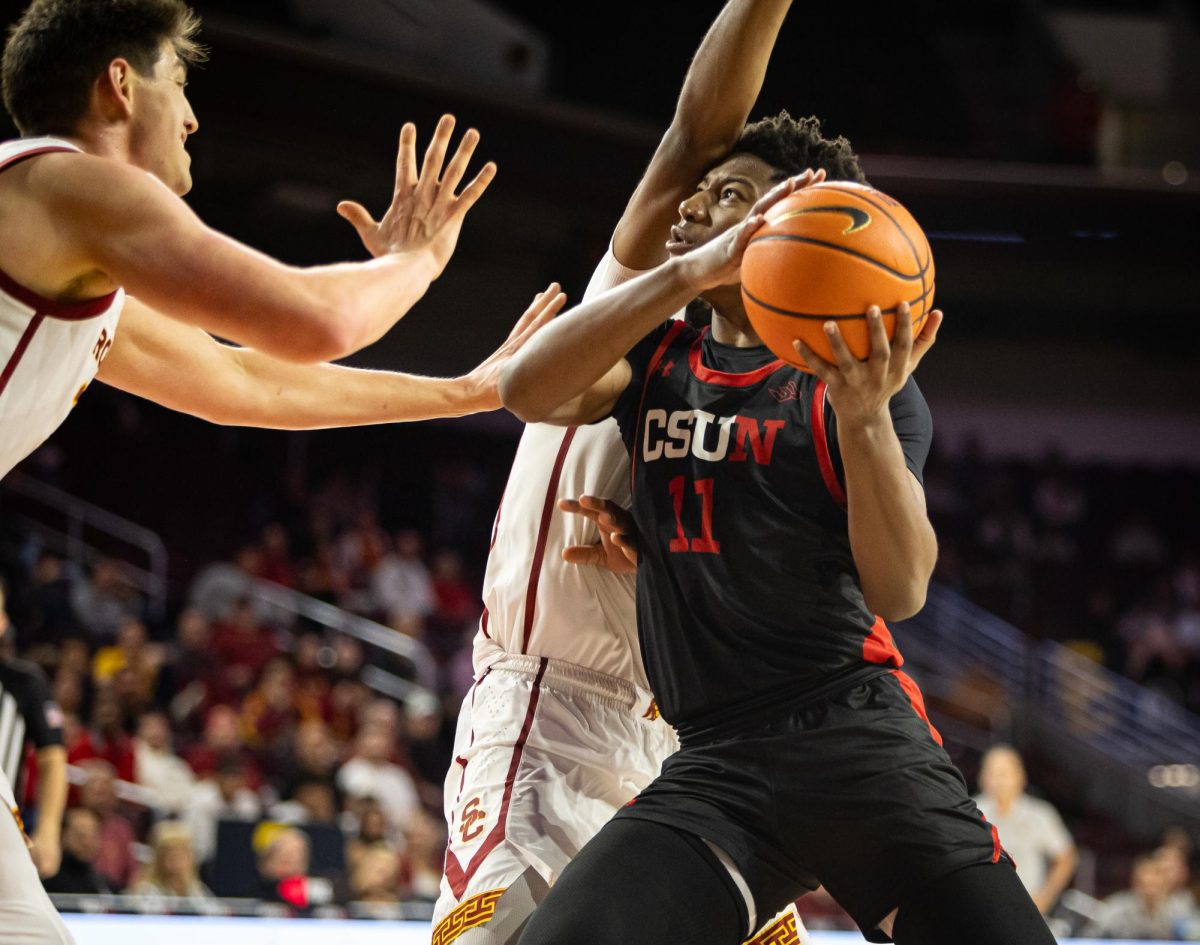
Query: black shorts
x=854, y=792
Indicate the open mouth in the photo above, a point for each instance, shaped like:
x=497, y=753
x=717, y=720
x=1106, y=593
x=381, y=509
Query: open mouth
x=679, y=243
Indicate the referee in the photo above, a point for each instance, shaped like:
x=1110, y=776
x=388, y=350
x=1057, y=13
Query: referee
x=29, y=714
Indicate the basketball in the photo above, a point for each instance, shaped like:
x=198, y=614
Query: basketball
x=828, y=253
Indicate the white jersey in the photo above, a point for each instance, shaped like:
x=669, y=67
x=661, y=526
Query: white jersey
x=536, y=603
x=49, y=351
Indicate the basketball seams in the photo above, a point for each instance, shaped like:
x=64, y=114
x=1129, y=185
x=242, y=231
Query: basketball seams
x=831, y=318
x=825, y=244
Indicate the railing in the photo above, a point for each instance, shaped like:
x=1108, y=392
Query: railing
x=295, y=604
x=76, y=520
x=1130, y=745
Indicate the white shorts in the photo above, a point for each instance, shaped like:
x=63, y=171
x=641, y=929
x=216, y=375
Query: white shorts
x=545, y=753
x=27, y=917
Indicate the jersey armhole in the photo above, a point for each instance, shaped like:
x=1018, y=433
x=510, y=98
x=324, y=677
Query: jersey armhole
x=821, y=443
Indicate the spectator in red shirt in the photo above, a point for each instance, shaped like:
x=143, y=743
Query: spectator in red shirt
x=222, y=740
x=242, y=646
x=276, y=562
x=105, y=739
x=116, y=861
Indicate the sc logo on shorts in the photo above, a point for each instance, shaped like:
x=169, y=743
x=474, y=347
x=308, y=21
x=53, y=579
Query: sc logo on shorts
x=471, y=825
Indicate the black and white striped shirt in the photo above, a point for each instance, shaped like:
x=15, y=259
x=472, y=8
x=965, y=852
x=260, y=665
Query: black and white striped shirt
x=27, y=714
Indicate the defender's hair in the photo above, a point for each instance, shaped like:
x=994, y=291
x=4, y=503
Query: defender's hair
x=795, y=145
x=59, y=47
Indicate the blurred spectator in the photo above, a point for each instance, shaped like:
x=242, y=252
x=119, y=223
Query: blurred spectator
x=372, y=832
x=1137, y=543
x=225, y=795
x=103, y=600
x=427, y=749
x=375, y=877
x=275, y=563
x=321, y=577
x=314, y=758
x=270, y=711
x=222, y=740
x=105, y=739
x=115, y=862
x=243, y=646
x=49, y=613
x=1148, y=909
x=80, y=850
x=191, y=676
x=219, y=587
x=402, y=587
x=424, y=856
x=358, y=553
x=130, y=651
x=1153, y=649
x=1030, y=829
x=310, y=802
x=157, y=767
x=172, y=869
x=283, y=869
x=370, y=774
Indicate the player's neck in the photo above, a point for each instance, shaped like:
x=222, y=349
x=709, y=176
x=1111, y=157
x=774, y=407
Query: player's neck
x=101, y=139
x=730, y=326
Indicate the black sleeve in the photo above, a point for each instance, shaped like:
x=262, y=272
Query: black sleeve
x=43, y=718
x=914, y=428
x=626, y=407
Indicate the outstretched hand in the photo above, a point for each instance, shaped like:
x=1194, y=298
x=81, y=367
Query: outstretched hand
x=860, y=390
x=719, y=262
x=617, y=548
x=486, y=377
x=425, y=212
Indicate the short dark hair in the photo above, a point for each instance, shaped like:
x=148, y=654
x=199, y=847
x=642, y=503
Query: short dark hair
x=796, y=144
x=58, y=48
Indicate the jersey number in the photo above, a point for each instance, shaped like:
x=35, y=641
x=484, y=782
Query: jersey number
x=706, y=543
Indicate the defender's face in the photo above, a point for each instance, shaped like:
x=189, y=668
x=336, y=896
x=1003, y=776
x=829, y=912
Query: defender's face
x=162, y=121
x=722, y=199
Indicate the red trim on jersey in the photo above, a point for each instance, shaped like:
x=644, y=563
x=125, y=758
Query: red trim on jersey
x=821, y=444
x=917, y=701
x=539, y=552
x=997, y=849
x=19, y=351
x=673, y=331
x=458, y=877
x=724, y=378
x=879, y=647
x=69, y=311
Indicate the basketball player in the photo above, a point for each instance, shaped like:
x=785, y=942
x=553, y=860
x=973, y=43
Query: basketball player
x=89, y=207
x=778, y=514
x=560, y=730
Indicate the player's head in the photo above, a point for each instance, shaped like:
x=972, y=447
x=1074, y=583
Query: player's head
x=83, y=67
x=766, y=153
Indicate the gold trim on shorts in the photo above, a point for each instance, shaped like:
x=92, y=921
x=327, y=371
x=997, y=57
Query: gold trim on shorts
x=474, y=911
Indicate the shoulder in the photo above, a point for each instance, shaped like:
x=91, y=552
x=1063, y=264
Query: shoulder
x=23, y=671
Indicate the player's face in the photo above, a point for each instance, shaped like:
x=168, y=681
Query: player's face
x=722, y=199
x=162, y=120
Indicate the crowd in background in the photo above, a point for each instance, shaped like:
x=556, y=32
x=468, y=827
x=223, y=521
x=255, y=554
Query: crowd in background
x=228, y=711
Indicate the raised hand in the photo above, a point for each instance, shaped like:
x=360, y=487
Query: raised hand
x=425, y=212
x=617, y=548
x=719, y=261
x=860, y=390
x=486, y=377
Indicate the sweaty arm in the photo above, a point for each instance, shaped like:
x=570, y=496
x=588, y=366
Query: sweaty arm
x=185, y=369
x=718, y=92
x=129, y=227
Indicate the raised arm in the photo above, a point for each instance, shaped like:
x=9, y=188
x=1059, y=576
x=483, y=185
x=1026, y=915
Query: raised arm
x=135, y=232
x=185, y=369
x=719, y=90
x=574, y=370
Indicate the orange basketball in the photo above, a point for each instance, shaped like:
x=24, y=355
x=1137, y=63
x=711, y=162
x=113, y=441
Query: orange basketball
x=830, y=252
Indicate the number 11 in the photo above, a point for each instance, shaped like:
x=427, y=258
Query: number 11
x=706, y=543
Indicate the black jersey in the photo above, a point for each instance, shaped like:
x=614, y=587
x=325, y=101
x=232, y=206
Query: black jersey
x=27, y=714
x=748, y=597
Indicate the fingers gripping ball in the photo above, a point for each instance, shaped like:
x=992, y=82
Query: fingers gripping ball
x=830, y=252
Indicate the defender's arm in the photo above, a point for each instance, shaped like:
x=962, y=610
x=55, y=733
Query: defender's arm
x=719, y=90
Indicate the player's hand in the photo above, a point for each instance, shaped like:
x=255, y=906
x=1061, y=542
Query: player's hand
x=425, y=212
x=484, y=381
x=859, y=391
x=719, y=261
x=46, y=850
x=617, y=548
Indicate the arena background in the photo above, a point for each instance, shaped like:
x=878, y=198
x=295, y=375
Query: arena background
x=1052, y=152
